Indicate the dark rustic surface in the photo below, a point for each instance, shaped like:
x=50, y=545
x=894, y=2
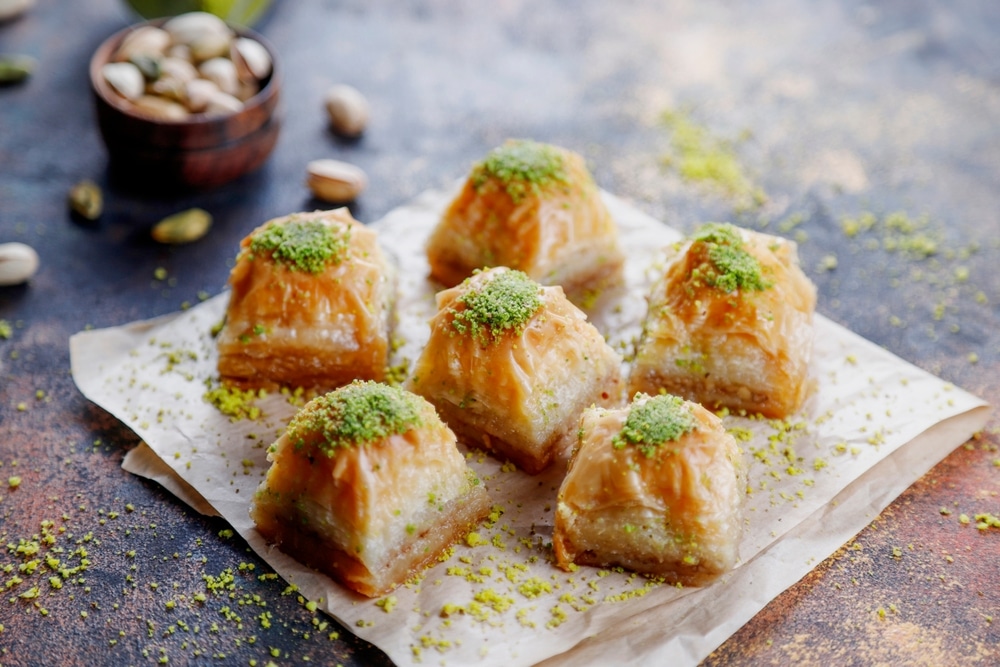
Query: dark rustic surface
x=834, y=108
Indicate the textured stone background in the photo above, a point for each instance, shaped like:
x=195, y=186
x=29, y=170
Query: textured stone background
x=833, y=108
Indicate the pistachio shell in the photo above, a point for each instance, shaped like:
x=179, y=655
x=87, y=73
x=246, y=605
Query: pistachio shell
x=86, y=200
x=251, y=59
x=187, y=28
x=184, y=227
x=143, y=41
x=335, y=181
x=223, y=73
x=182, y=70
x=198, y=93
x=182, y=51
x=170, y=88
x=125, y=79
x=347, y=109
x=159, y=108
x=18, y=262
x=222, y=104
x=247, y=90
x=210, y=46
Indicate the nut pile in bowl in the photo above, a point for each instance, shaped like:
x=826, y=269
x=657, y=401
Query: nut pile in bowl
x=192, y=64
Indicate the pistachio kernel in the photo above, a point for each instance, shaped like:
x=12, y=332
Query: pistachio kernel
x=184, y=227
x=86, y=200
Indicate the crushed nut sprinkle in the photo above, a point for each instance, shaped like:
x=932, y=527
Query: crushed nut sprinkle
x=505, y=303
x=730, y=267
x=302, y=245
x=655, y=422
x=359, y=413
x=523, y=167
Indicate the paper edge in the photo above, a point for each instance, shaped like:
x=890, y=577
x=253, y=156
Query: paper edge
x=140, y=459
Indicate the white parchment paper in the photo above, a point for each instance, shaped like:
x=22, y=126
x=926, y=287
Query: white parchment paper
x=873, y=426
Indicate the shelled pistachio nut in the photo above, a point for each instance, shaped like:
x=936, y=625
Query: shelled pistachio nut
x=335, y=181
x=148, y=65
x=18, y=262
x=16, y=68
x=86, y=200
x=184, y=227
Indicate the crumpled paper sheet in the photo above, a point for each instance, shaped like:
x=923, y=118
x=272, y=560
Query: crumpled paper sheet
x=874, y=425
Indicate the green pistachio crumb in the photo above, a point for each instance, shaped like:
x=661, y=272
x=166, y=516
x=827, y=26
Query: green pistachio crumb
x=303, y=245
x=699, y=156
x=659, y=420
x=730, y=266
x=506, y=302
x=387, y=603
x=522, y=167
x=359, y=413
x=234, y=402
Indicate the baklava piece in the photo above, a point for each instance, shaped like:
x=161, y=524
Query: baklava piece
x=510, y=365
x=656, y=487
x=532, y=207
x=367, y=485
x=310, y=306
x=730, y=324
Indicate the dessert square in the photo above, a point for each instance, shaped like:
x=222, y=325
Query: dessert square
x=730, y=324
x=310, y=306
x=368, y=486
x=656, y=487
x=533, y=207
x=510, y=365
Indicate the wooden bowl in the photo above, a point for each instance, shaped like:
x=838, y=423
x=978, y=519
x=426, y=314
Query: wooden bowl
x=200, y=152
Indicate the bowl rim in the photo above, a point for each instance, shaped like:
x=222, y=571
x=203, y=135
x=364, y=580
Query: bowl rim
x=104, y=52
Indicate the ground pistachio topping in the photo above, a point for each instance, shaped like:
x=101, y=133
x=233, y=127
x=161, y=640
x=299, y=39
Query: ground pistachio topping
x=730, y=266
x=506, y=302
x=303, y=245
x=359, y=413
x=521, y=166
x=657, y=421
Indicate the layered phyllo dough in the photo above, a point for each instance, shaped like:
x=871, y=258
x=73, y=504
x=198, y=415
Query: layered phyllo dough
x=730, y=324
x=532, y=207
x=310, y=306
x=510, y=365
x=656, y=487
x=367, y=485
